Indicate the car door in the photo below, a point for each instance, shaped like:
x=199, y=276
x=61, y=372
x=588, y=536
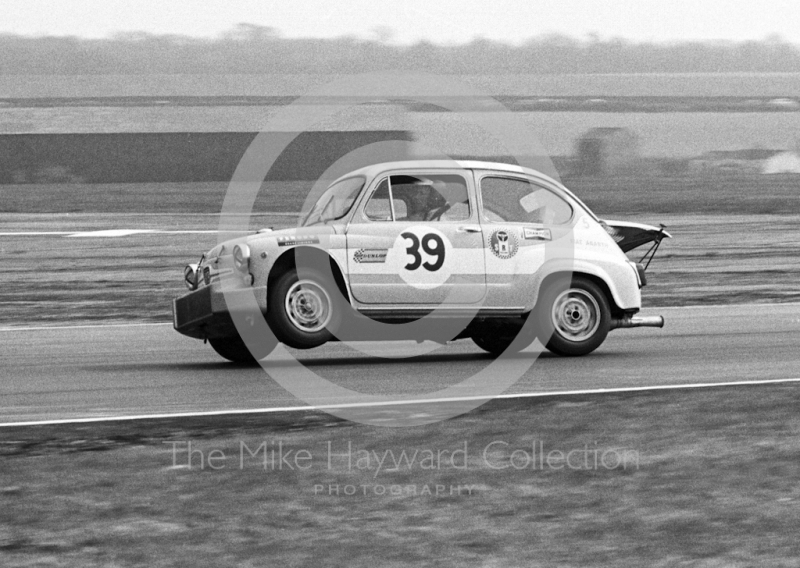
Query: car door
x=520, y=218
x=416, y=240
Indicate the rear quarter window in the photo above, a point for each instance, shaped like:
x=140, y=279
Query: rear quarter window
x=515, y=200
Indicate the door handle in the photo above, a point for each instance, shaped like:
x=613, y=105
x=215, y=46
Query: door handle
x=469, y=229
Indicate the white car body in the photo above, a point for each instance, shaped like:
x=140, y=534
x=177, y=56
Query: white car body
x=487, y=255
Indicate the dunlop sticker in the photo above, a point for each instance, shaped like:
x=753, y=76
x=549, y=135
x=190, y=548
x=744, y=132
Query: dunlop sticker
x=370, y=255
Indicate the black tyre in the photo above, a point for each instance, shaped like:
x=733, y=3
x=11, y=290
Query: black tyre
x=573, y=319
x=498, y=338
x=233, y=348
x=304, y=311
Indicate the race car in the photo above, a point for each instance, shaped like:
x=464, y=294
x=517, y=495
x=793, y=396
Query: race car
x=425, y=250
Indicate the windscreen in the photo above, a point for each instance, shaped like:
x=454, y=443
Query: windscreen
x=335, y=202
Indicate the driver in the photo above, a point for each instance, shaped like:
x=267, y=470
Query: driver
x=418, y=209
x=422, y=204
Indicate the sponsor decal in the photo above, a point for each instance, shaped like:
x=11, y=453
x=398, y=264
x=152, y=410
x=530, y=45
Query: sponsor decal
x=532, y=234
x=503, y=244
x=290, y=241
x=370, y=255
x=422, y=257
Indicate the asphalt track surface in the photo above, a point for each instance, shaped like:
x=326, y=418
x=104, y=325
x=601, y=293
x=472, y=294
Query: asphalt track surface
x=131, y=370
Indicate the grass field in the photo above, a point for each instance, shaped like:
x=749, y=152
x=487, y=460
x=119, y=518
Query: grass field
x=609, y=197
x=131, y=198
x=702, y=478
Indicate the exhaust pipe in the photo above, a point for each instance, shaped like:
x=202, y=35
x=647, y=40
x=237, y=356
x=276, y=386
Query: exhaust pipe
x=638, y=321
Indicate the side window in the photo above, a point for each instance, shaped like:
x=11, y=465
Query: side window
x=432, y=198
x=378, y=208
x=518, y=201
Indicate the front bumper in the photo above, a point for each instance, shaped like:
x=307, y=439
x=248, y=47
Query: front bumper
x=206, y=312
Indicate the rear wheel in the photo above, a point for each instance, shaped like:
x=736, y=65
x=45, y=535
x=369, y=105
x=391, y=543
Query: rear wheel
x=574, y=320
x=233, y=348
x=303, y=309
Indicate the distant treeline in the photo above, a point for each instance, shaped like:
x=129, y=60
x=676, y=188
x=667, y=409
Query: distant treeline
x=258, y=50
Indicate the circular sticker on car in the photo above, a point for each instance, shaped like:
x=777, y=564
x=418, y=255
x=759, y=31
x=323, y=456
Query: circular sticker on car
x=503, y=243
x=421, y=256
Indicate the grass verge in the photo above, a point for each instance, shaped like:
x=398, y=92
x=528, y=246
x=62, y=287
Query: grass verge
x=706, y=477
x=608, y=196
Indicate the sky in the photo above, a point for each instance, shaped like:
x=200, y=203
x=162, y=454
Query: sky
x=408, y=21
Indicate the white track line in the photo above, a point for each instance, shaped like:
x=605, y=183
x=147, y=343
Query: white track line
x=90, y=326
x=99, y=214
x=34, y=234
x=112, y=233
x=718, y=306
x=116, y=233
x=397, y=403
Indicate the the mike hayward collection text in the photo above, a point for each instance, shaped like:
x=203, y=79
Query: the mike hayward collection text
x=345, y=456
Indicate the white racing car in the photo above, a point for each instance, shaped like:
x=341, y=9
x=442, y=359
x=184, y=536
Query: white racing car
x=426, y=250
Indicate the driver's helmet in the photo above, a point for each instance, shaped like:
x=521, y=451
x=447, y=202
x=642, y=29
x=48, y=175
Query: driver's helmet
x=433, y=190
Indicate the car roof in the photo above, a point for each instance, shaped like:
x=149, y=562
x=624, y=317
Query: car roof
x=376, y=169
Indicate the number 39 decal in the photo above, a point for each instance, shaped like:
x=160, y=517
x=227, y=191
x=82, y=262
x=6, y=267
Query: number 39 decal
x=432, y=244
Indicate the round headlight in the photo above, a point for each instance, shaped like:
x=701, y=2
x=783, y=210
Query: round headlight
x=241, y=257
x=190, y=276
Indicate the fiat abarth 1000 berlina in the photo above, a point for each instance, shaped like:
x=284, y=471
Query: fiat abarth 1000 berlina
x=426, y=250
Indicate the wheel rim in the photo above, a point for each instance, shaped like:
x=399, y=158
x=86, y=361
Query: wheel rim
x=308, y=306
x=576, y=315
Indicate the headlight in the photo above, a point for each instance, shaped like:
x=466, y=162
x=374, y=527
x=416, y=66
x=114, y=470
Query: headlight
x=190, y=276
x=241, y=257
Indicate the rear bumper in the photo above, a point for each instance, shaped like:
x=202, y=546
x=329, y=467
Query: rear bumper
x=206, y=313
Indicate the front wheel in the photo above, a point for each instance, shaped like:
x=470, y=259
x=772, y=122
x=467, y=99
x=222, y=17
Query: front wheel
x=303, y=309
x=575, y=319
x=233, y=348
